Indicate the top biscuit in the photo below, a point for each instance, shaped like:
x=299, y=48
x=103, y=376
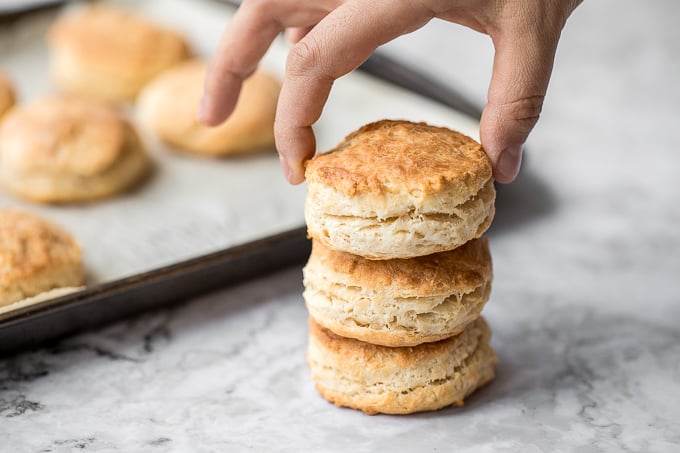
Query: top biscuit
x=399, y=157
x=397, y=189
x=110, y=53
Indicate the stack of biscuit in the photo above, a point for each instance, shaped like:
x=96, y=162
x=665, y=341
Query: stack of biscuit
x=398, y=273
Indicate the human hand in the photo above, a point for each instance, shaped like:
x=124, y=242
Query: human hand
x=334, y=37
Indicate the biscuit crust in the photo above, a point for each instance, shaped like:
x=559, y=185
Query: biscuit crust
x=377, y=379
x=168, y=107
x=396, y=189
x=405, y=158
x=35, y=256
x=399, y=302
x=67, y=149
x=110, y=53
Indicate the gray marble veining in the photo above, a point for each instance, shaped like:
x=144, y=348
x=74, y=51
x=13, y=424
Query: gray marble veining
x=585, y=307
x=227, y=373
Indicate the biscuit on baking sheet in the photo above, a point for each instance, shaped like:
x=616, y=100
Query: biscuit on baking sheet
x=7, y=96
x=398, y=302
x=168, y=107
x=65, y=149
x=378, y=379
x=36, y=256
x=110, y=53
x=397, y=189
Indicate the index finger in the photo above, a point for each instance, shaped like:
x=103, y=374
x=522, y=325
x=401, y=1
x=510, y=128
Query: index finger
x=243, y=44
x=339, y=43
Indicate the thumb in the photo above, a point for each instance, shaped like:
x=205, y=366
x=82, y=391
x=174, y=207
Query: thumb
x=521, y=71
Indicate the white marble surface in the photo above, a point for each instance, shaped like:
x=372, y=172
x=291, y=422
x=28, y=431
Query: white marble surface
x=585, y=307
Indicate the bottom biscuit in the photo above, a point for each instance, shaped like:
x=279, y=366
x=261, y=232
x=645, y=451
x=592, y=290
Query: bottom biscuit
x=403, y=380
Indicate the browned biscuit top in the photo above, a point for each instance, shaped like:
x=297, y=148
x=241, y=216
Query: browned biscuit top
x=116, y=39
x=63, y=134
x=29, y=244
x=396, y=156
x=402, y=357
x=461, y=270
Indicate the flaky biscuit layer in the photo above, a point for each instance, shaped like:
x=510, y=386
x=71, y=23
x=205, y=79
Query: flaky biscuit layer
x=379, y=379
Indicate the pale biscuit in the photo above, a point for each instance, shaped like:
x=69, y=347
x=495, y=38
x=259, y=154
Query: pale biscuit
x=65, y=149
x=110, y=53
x=399, y=302
x=36, y=256
x=7, y=96
x=379, y=379
x=396, y=189
x=168, y=107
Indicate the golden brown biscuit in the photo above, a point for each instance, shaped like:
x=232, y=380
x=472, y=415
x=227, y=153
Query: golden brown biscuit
x=378, y=379
x=168, y=106
x=36, y=256
x=399, y=302
x=65, y=149
x=396, y=189
x=110, y=53
x=7, y=96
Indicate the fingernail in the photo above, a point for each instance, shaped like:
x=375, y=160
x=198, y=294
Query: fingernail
x=287, y=171
x=509, y=162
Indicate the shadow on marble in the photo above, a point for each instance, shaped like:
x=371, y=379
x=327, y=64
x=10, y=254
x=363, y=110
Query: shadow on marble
x=578, y=365
x=526, y=200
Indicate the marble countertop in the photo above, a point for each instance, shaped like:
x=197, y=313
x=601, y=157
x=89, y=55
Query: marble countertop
x=585, y=307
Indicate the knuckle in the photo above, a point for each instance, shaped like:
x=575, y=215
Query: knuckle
x=524, y=112
x=303, y=58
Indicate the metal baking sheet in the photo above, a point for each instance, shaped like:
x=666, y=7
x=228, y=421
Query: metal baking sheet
x=195, y=211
